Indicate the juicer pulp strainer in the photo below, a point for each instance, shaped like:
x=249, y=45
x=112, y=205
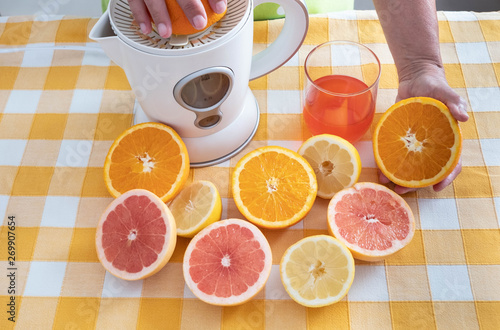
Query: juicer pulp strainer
x=198, y=84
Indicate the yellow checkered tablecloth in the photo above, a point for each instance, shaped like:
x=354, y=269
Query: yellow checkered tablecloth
x=63, y=102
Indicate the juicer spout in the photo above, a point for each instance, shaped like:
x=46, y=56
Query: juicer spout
x=103, y=33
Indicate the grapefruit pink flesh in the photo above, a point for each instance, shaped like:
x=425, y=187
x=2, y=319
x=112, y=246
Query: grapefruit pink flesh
x=228, y=262
x=134, y=234
x=371, y=220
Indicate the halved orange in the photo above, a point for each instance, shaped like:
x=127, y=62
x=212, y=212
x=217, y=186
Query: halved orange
x=274, y=187
x=181, y=24
x=148, y=156
x=417, y=142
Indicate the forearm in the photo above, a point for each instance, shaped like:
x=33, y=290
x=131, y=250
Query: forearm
x=411, y=30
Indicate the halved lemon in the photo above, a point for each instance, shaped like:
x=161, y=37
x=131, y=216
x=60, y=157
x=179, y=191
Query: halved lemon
x=335, y=162
x=317, y=271
x=195, y=207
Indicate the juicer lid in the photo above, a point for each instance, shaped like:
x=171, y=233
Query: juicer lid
x=128, y=30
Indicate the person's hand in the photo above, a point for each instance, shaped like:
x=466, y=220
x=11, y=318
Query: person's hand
x=431, y=82
x=146, y=10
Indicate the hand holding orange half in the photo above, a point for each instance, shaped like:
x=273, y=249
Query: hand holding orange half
x=417, y=143
x=430, y=81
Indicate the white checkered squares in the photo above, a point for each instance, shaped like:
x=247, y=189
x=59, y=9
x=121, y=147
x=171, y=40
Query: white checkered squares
x=473, y=52
x=23, y=101
x=298, y=226
x=383, y=53
x=4, y=199
x=494, y=49
x=365, y=150
x=484, y=99
x=188, y=294
x=449, y=283
x=347, y=15
x=95, y=57
x=225, y=203
x=448, y=53
x=37, y=58
x=226, y=163
x=60, y=211
x=497, y=209
x=460, y=16
x=45, y=279
x=284, y=102
x=293, y=61
x=490, y=148
x=274, y=287
x=74, y=153
x=345, y=55
x=86, y=101
x=438, y=214
x=361, y=15
x=12, y=152
x=115, y=287
x=370, y=284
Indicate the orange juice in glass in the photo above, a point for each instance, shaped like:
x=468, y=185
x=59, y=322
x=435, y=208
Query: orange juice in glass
x=340, y=89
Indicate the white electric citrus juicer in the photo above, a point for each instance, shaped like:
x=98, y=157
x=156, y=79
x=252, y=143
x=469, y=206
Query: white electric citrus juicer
x=198, y=84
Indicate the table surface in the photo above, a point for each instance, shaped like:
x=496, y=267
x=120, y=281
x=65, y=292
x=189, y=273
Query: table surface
x=63, y=102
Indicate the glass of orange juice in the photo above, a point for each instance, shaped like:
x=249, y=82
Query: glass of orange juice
x=340, y=89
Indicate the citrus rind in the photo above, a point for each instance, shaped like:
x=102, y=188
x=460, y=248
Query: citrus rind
x=164, y=194
x=445, y=170
x=335, y=161
x=259, y=242
x=399, y=211
x=264, y=179
x=168, y=246
x=187, y=204
x=331, y=283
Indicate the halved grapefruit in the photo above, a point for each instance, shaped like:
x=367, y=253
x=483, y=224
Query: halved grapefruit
x=227, y=263
x=136, y=235
x=371, y=220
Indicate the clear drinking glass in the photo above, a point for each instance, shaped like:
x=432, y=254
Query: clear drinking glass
x=340, y=89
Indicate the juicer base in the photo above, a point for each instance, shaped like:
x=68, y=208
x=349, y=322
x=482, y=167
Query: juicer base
x=218, y=147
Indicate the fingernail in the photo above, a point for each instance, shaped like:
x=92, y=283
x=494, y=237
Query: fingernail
x=220, y=7
x=163, y=31
x=199, y=22
x=143, y=28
